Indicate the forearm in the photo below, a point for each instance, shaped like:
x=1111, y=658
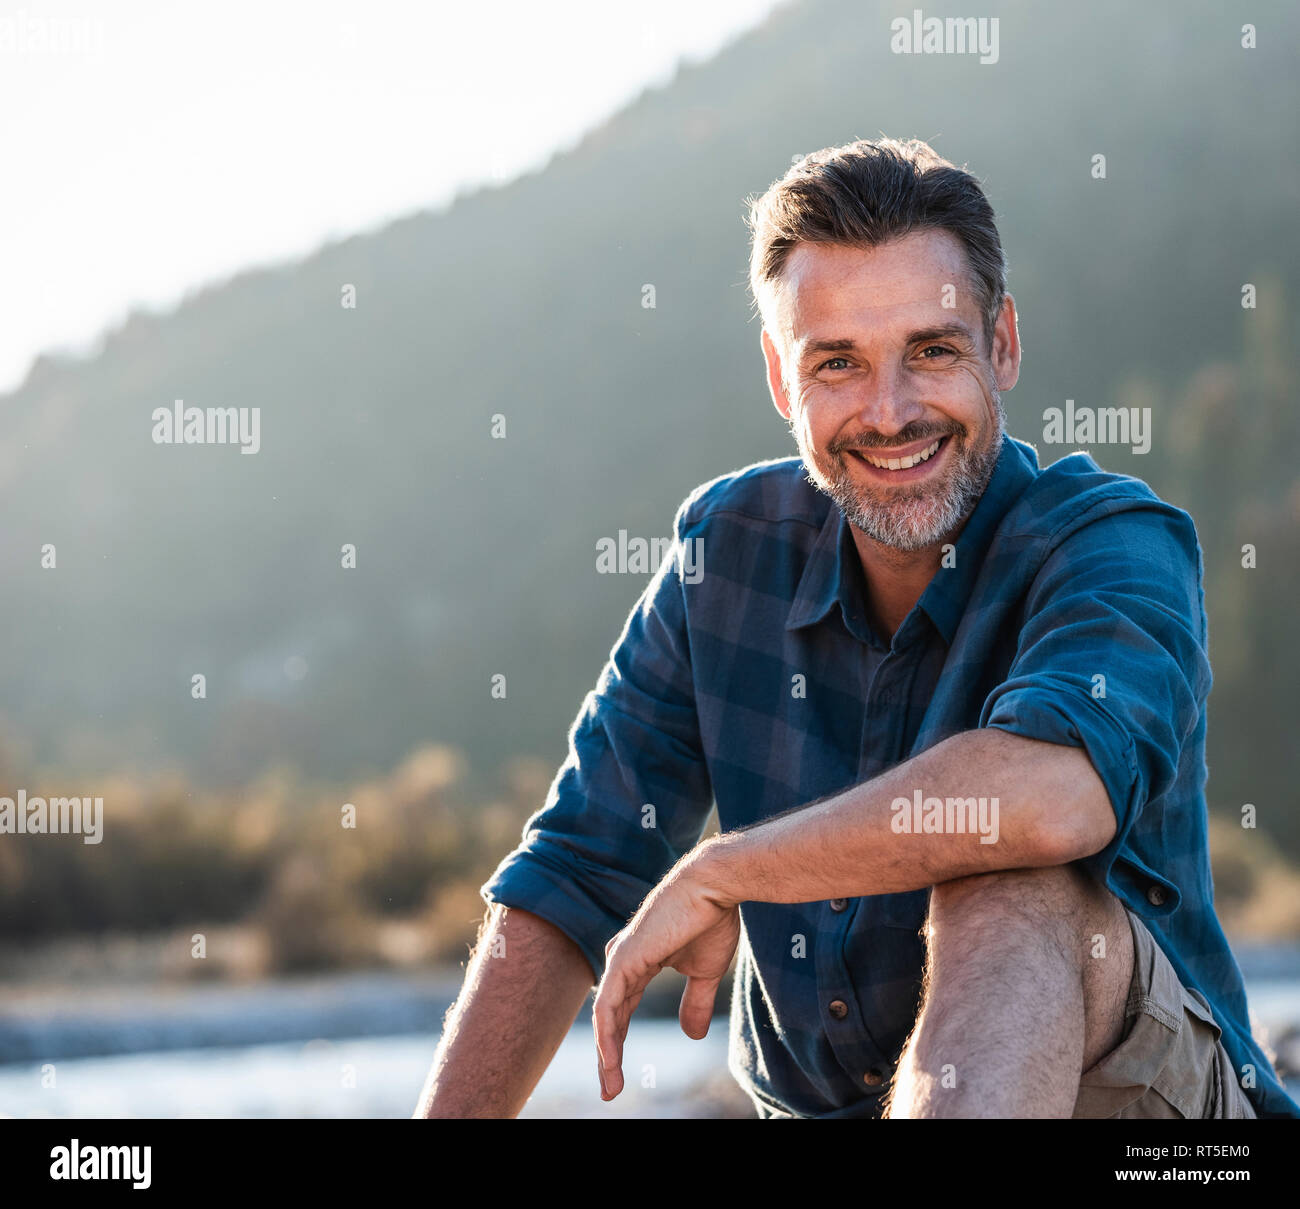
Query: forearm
x=522, y=991
x=1043, y=804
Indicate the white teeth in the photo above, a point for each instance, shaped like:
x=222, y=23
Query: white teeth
x=904, y=463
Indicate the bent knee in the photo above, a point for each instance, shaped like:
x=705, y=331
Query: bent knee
x=1064, y=891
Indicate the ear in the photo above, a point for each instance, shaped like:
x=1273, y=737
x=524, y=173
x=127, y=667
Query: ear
x=1006, y=345
x=775, y=385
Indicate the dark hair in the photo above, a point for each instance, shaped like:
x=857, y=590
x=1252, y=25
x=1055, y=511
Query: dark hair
x=868, y=192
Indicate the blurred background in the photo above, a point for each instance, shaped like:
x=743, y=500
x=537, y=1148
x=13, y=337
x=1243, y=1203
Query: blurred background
x=393, y=227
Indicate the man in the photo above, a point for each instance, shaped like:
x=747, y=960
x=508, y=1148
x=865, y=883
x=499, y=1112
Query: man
x=951, y=708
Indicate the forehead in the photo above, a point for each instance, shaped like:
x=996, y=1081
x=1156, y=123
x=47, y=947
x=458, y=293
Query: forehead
x=901, y=282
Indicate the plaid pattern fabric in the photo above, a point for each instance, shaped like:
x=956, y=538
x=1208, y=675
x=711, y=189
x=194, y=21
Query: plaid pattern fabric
x=763, y=687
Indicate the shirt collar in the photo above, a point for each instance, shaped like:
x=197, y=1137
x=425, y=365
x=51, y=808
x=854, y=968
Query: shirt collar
x=828, y=576
x=831, y=576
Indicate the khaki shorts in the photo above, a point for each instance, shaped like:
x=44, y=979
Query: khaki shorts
x=1170, y=1062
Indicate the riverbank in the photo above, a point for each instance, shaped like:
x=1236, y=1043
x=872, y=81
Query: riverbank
x=358, y=1045
x=49, y=1021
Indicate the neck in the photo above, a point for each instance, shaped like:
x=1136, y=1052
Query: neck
x=896, y=578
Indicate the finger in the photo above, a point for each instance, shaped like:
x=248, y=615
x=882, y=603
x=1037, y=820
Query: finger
x=617, y=998
x=696, y=1009
x=610, y=1026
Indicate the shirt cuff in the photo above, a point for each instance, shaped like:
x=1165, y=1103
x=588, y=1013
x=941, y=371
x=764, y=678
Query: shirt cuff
x=530, y=881
x=1069, y=716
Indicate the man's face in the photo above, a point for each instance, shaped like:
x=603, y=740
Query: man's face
x=893, y=398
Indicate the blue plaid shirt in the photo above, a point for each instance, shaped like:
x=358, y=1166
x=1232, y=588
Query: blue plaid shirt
x=763, y=686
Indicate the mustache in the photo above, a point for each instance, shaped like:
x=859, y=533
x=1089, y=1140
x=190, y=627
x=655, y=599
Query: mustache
x=909, y=436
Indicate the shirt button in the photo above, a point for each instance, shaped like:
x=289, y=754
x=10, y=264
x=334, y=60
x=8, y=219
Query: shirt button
x=1156, y=896
x=838, y=1008
x=873, y=1077
x=838, y=904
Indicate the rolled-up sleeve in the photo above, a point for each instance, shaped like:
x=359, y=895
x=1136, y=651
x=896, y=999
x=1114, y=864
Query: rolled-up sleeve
x=1112, y=657
x=633, y=793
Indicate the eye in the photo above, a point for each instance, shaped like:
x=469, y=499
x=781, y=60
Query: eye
x=830, y=363
x=941, y=349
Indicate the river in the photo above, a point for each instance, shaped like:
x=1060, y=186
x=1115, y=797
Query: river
x=668, y=1075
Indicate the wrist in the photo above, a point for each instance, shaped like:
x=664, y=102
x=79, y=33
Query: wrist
x=714, y=870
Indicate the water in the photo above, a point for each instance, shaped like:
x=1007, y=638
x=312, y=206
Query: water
x=364, y=1077
x=668, y=1075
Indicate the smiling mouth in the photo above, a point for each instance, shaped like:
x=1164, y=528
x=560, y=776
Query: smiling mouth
x=882, y=461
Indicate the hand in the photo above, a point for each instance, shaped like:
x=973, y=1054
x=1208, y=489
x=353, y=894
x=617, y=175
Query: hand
x=683, y=925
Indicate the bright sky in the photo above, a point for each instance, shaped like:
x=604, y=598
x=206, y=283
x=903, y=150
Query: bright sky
x=150, y=146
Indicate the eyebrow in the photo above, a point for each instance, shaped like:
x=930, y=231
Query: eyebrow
x=942, y=331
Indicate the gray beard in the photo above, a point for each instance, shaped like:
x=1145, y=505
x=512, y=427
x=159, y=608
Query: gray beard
x=922, y=516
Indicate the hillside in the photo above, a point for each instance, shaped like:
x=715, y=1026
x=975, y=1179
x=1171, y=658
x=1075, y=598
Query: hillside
x=476, y=556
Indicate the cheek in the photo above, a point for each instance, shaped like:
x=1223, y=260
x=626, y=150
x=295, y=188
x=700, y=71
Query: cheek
x=963, y=391
x=817, y=419
x=988, y=406
x=810, y=435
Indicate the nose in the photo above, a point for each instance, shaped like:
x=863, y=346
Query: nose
x=888, y=402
